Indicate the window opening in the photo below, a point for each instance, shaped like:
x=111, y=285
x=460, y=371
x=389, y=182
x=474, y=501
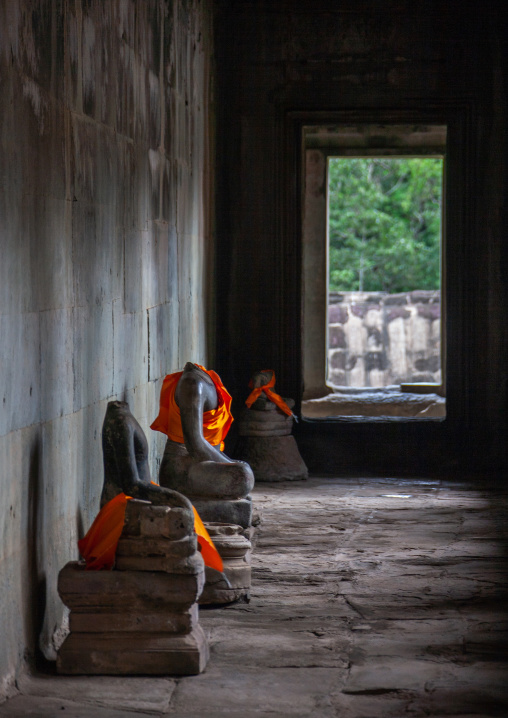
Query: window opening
x=383, y=285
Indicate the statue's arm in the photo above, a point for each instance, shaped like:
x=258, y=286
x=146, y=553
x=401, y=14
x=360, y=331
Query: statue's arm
x=159, y=495
x=135, y=478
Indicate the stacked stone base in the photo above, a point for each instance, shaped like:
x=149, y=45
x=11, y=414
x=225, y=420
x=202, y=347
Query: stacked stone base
x=265, y=442
x=272, y=458
x=234, y=549
x=142, y=617
x=125, y=653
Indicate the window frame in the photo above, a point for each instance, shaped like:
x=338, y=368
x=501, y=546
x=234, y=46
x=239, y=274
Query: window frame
x=459, y=302
x=319, y=142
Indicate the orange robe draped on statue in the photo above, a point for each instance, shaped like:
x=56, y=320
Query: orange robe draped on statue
x=216, y=422
x=98, y=547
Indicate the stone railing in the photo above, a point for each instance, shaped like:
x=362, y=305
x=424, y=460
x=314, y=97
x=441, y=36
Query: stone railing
x=377, y=339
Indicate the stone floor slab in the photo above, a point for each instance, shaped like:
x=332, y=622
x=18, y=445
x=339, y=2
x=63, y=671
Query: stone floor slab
x=124, y=693
x=28, y=707
x=371, y=598
x=280, y=691
x=302, y=648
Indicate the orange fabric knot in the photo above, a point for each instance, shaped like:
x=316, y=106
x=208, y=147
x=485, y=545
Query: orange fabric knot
x=216, y=422
x=267, y=388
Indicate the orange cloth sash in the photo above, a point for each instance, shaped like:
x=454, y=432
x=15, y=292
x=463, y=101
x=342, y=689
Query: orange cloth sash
x=216, y=422
x=98, y=547
x=211, y=556
x=267, y=388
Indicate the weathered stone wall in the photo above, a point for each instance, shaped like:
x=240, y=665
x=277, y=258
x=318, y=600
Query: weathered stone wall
x=377, y=339
x=105, y=257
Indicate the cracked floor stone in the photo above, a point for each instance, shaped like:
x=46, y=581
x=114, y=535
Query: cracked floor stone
x=370, y=599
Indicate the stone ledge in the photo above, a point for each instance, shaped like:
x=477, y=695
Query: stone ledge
x=375, y=402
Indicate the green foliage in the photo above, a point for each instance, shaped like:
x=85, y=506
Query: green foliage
x=384, y=223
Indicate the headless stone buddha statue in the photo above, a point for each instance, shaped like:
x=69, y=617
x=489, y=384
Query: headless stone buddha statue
x=140, y=617
x=127, y=476
x=265, y=438
x=125, y=454
x=195, y=415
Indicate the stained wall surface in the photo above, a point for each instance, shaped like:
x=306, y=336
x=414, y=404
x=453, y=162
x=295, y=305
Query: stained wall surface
x=106, y=250
x=287, y=65
x=377, y=339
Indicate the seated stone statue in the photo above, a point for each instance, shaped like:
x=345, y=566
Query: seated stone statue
x=265, y=438
x=142, y=617
x=125, y=455
x=126, y=476
x=195, y=415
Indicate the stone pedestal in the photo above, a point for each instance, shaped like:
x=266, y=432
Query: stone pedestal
x=234, y=549
x=142, y=616
x=266, y=444
x=238, y=512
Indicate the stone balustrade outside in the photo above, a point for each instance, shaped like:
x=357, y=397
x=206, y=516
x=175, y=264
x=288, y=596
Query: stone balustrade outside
x=377, y=339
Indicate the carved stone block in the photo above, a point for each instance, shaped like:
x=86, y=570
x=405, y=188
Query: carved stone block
x=168, y=564
x=143, y=653
x=156, y=546
x=156, y=622
x=167, y=522
x=125, y=591
x=229, y=512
